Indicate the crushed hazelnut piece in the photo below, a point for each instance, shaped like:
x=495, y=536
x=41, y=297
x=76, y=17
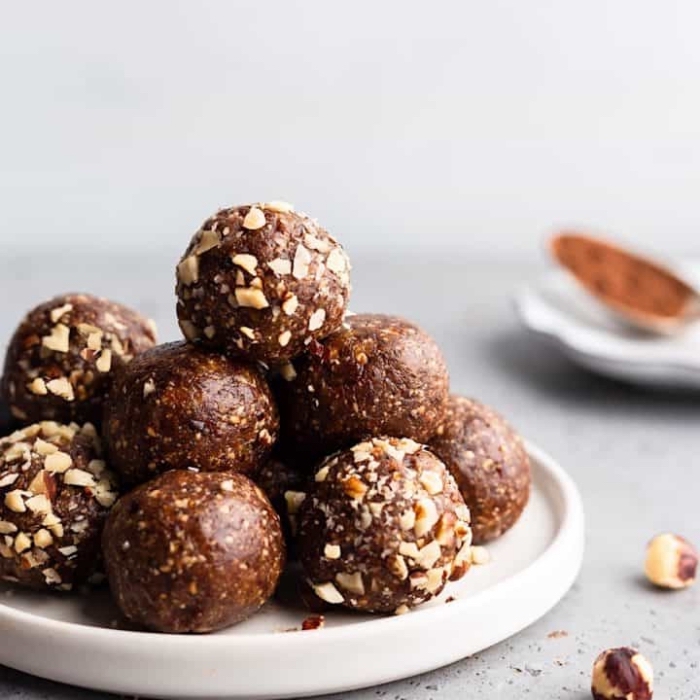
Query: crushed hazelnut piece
x=279, y=207
x=254, y=219
x=61, y=387
x=284, y=338
x=227, y=485
x=59, y=338
x=322, y=474
x=248, y=332
x=45, y=448
x=429, y=554
x=104, y=362
x=426, y=516
x=251, y=297
x=43, y=538
x=290, y=305
x=58, y=462
x=68, y=551
x=351, y=582
x=94, y=341
x=190, y=331
x=8, y=480
x=302, y=260
x=409, y=549
x=354, y=487
x=52, y=576
x=331, y=551
x=431, y=482
x=336, y=261
x=480, y=556
x=60, y=311
x=399, y=568
x=15, y=502
x=209, y=239
x=22, y=543
x=248, y=262
x=280, y=266
x=402, y=610
x=188, y=270
x=407, y=520
x=328, y=592
x=149, y=387
x=317, y=319
x=38, y=387
x=78, y=477
x=39, y=504
x=7, y=528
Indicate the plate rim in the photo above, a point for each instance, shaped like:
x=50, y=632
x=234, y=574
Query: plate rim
x=567, y=545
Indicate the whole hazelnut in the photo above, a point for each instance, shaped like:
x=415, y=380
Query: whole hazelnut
x=671, y=561
x=622, y=673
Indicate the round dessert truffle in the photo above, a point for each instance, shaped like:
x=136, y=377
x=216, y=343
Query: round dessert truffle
x=177, y=406
x=60, y=360
x=261, y=281
x=55, y=493
x=489, y=463
x=383, y=527
x=378, y=375
x=193, y=551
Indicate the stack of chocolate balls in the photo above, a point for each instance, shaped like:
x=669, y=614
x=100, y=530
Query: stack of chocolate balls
x=186, y=471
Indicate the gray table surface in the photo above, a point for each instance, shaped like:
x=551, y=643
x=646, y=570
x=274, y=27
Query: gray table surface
x=632, y=452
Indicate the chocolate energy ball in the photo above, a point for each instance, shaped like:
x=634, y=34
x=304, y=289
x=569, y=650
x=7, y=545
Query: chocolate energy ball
x=60, y=360
x=378, y=375
x=261, y=281
x=55, y=493
x=177, y=406
x=489, y=463
x=193, y=551
x=383, y=527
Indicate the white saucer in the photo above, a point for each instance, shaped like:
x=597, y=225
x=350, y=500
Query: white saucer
x=71, y=640
x=558, y=309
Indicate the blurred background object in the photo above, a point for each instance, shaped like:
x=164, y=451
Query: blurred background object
x=478, y=126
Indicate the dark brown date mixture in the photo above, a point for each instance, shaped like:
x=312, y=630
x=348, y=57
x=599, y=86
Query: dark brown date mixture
x=489, y=463
x=55, y=493
x=60, y=360
x=378, y=375
x=261, y=281
x=178, y=406
x=193, y=551
x=383, y=527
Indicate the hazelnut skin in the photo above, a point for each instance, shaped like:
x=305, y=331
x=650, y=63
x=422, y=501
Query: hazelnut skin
x=622, y=673
x=671, y=562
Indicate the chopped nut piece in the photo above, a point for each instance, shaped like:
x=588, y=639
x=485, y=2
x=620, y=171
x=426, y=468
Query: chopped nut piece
x=354, y=487
x=322, y=473
x=290, y=305
x=68, y=551
x=188, y=270
x=431, y=482
x=251, y=297
x=38, y=387
x=331, y=551
x=426, y=516
x=227, y=485
x=336, y=261
x=407, y=520
x=94, y=341
x=351, y=582
x=409, y=549
x=43, y=539
x=15, y=502
x=278, y=206
x=207, y=240
x=248, y=262
x=399, y=567
x=429, y=554
x=189, y=329
x=402, y=610
x=317, y=319
x=61, y=387
x=294, y=499
x=248, y=332
x=59, y=338
x=104, y=362
x=149, y=387
x=329, y=593
x=58, y=462
x=52, y=576
x=284, y=338
x=7, y=528
x=60, y=311
x=288, y=372
x=254, y=219
x=22, y=543
x=280, y=266
x=39, y=504
x=45, y=448
x=78, y=477
x=302, y=261
x=8, y=480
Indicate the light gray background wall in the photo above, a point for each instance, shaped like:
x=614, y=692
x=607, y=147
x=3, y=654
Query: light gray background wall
x=477, y=125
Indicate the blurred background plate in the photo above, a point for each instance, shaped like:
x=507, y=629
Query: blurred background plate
x=74, y=640
x=559, y=310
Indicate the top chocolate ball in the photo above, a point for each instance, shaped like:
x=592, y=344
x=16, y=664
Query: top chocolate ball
x=261, y=281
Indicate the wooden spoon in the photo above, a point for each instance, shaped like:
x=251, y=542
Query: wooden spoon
x=640, y=291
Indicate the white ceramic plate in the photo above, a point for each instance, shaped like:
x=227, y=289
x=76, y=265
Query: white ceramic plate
x=558, y=309
x=71, y=639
